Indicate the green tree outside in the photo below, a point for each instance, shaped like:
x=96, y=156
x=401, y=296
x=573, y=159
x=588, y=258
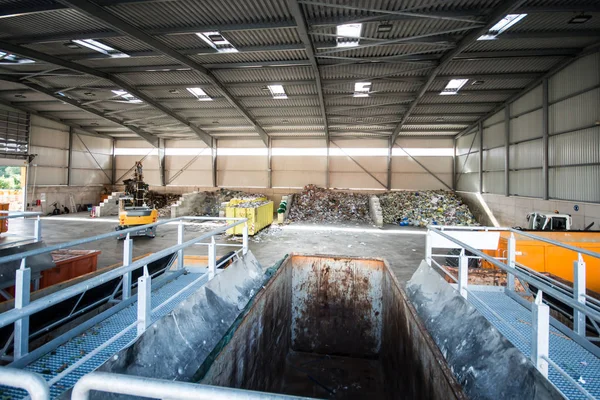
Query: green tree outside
x=10, y=177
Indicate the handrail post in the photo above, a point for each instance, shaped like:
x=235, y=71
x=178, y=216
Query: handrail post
x=180, y=228
x=22, y=296
x=540, y=334
x=37, y=229
x=245, y=238
x=35, y=385
x=212, y=258
x=579, y=294
x=127, y=258
x=463, y=273
x=428, y=247
x=511, y=262
x=144, y=302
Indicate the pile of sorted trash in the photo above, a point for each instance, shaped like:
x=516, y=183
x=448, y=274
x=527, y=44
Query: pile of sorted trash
x=162, y=202
x=422, y=208
x=248, y=203
x=315, y=204
x=209, y=203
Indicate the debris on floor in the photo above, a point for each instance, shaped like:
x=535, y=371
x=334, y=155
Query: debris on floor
x=422, y=208
x=315, y=204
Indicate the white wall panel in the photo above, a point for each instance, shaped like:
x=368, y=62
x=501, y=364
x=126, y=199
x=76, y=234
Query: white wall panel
x=526, y=126
x=581, y=75
x=498, y=117
x=468, y=182
x=527, y=183
x=493, y=182
x=420, y=181
x=50, y=141
x=493, y=136
x=240, y=170
x=575, y=183
x=493, y=160
x=580, y=147
x=529, y=101
x=464, y=143
x=576, y=112
x=526, y=154
x=467, y=163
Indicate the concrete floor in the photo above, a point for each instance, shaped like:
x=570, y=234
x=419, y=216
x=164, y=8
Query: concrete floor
x=402, y=247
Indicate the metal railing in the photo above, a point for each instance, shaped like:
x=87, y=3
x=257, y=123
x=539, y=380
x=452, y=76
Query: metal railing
x=37, y=227
x=33, y=383
x=23, y=308
x=161, y=389
x=583, y=305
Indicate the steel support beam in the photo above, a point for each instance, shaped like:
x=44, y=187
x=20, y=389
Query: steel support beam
x=113, y=165
x=389, y=164
x=25, y=52
x=506, y=150
x=497, y=14
x=302, y=29
x=480, y=134
x=545, y=139
x=454, y=165
x=161, y=162
x=214, y=163
x=70, y=159
x=270, y=165
x=98, y=13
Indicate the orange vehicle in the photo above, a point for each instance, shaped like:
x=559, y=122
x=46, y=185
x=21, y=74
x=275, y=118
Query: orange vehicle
x=551, y=260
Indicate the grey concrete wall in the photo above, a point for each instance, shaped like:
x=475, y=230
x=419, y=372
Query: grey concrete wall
x=81, y=195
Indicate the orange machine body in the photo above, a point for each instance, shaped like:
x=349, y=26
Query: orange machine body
x=553, y=260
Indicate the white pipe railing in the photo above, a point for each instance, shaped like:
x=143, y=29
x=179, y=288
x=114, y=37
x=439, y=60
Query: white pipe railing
x=34, y=384
x=161, y=389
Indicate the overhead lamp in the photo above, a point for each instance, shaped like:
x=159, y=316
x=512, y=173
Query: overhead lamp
x=100, y=48
x=127, y=96
x=215, y=122
x=215, y=40
x=384, y=28
x=199, y=93
x=173, y=91
x=20, y=96
x=502, y=26
x=439, y=119
x=477, y=83
x=348, y=35
x=278, y=92
x=453, y=86
x=89, y=94
x=580, y=19
x=361, y=89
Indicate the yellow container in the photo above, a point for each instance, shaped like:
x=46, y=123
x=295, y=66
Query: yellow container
x=258, y=217
x=235, y=202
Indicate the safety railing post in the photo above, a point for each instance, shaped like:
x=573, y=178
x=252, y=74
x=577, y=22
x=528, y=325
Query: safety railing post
x=212, y=258
x=245, y=239
x=541, y=334
x=428, y=247
x=511, y=261
x=22, y=296
x=579, y=294
x=180, y=228
x=127, y=259
x=144, y=301
x=37, y=229
x=463, y=273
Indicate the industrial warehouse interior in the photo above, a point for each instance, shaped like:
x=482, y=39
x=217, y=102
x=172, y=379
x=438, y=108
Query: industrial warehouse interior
x=293, y=199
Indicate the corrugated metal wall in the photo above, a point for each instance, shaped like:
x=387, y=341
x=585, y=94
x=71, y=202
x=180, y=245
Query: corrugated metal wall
x=145, y=153
x=242, y=170
x=50, y=141
x=299, y=171
x=93, y=167
x=467, y=162
x=188, y=162
x=407, y=174
x=573, y=145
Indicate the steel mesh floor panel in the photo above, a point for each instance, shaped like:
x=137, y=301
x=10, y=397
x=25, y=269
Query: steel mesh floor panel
x=55, y=362
x=576, y=361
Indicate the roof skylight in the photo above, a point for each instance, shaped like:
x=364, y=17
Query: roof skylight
x=453, y=86
x=277, y=92
x=8, y=58
x=199, y=93
x=100, y=47
x=502, y=26
x=217, y=42
x=127, y=96
x=348, y=35
x=361, y=89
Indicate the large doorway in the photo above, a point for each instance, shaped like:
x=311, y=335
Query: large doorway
x=12, y=184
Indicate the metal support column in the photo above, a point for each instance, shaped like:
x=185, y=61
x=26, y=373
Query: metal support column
x=389, y=164
x=113, y=175
x=70, y=159
x=127, y=259
x=161, y=162
x=22, y=295
x=545, y=139
x=245, y=239
x=212, y=258
x=144, y=302
x=327, y=166
x=454, y=166
x=463, y=273
x=579, y=294
x=214, y=162
x=37, y=229
x=511, y=261
x=180, y=228
x=506, y=149
x=270, y=165
x=428, y=249
x=480, y=133
x=540, y=342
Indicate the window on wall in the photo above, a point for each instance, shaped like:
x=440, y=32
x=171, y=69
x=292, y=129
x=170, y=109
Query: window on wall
x=14, y=134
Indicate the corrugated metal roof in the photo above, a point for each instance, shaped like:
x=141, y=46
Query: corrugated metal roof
x=525, y=64
x=449, y=108
x=51, y=22
x=285, y=112
x=377, y=86
x=189, y=13
x=555, y=21
x=222, y=58
x=290, y=90
x=374, y=70
x=464, y=98
x=184, y=77
x=531, y=44
x=110, y=62
x=289, y=102
x=263, y=37
x=488, y=84
x=265, y=74
x=349, y=100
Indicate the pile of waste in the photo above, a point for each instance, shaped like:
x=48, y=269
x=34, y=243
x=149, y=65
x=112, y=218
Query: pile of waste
x=162, y=202
x=209, y=203
x=248, y=203
x=422, y=208
x=315, y=204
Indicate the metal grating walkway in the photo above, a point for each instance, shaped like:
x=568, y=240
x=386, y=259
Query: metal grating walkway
x=86, y=348
x=579, y=363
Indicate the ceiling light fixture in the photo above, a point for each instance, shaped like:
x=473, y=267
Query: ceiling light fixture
x=477, y=83
x=89, y=94
x=20, y=96
x=278, y=92
x=348, y=35
x=217, y=41
x=173, y=91
x=502, y=26
x=361, y=89
x=100, y=48
x=580, y=19
x=453, y=86
x=199, y=93
x=127, y=96
x=384, y=28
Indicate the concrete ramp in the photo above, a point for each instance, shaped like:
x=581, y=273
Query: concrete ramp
x=176, y=345
x=484, y=362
